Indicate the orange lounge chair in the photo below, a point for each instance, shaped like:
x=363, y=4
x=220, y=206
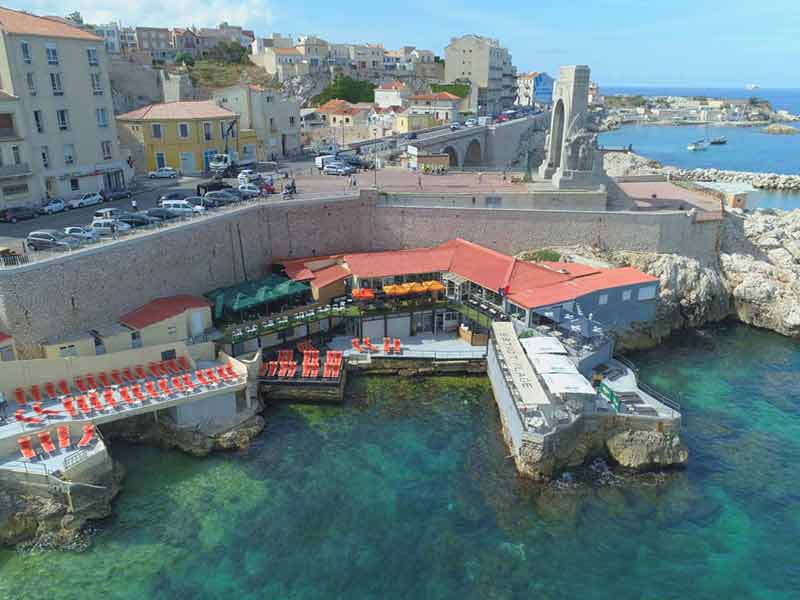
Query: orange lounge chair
x=140, y=372
x=125, y=394
x=69, y=406
x=83, y=405
x=108, y=398
x=273, y=368
x=212, y=376
x=183, y=364
x=46, y=441
x=45, y=412
x=19, y=396
x=137, y=392
x=397, y=345
x=387, y=345
x=177, y=383
x=172, y=365
x=103, y=379
x=262, y=369
x=163, y=385
x=201, y=377
x=63, y=437
x=80, y=384
x=63, y=387
x=116, y=377
x=230, y=372
x=36, y=393
x=154, y=370
x=336, y=369
x=221, y=373
x=150, y=388
x=284, y=367
x=292, y=369
x=285, y=355
x=91, y=382
x=20, y=417
x=50, y=390
x=88, y=435
x=356, y=345
x=94, y=400
x=326, y=371
x=127, y=375
x=26, y=448
x=370, y=346
x=187, y=381
x=314, y=372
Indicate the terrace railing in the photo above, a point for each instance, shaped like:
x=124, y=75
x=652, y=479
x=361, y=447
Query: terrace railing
x=665, y=400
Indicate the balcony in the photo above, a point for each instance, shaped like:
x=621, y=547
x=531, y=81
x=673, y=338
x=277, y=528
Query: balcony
x=20, y=170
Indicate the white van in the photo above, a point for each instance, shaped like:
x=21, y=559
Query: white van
x=182, y=207
x=323, y=160
x=109, y=226
x=107, y=213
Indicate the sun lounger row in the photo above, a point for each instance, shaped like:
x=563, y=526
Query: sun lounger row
x=310, y=370
x=48, y=446
x=305, y=346
x=366, y=345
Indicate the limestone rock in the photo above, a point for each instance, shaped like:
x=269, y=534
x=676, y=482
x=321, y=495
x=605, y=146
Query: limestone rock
x=647, y=449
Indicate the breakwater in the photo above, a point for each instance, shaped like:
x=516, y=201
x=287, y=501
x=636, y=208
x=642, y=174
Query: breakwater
x=762, y=181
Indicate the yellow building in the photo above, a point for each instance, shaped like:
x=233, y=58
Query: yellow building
x=406, y=122
x=184, y=136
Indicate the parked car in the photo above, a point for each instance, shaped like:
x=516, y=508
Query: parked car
x=137, y=219
x=107, y=213
x=338, y=169
x=182, y=208
x=502, y=119
x=324, y=159
x=455, y=126
x=471, y=123
x=412, y=135
x=163, y=173
x=53, y=206
x=85, y=200
x=248, y=190
x=221, y=198
x=84, y=234
x=51, y=239
x=107, y=226
x=249, y=176
x=118, y=195
x=176, y=195
x=212, y=185
x=160, y=213
x=12, y=214
x=197, y=201
x=356, y=162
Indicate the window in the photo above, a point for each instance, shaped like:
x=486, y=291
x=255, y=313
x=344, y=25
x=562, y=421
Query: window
x=69, y=154
x=647, y=293
x=207, y=131
x=291, y=121
x=183, y=130
x=45, y=157
x=74, y=184
x=106, y=149
x=97, y=84
x=38, y=119
x=136, y=339
x=26, y=52
x=52, y=54
x=156, y=130
x=31, y=83
x=171, y=330
x=16, y=154
x=626, y=295
x=91, y=54
x=15, y=190
x=64, y=351
x=603, y=299
x=55, y=83
x=102, y=117
x=62, y=116
x=272, y=124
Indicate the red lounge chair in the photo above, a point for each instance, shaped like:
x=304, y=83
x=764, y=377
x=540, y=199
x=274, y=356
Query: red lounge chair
x=154, y=370
x=172, y=365
x=46, y=441
x=356, y=345
x=177, y=383
x=212, y=376
x=163, y=385
x=370, y=346
x=285, y=355
x=103, y=379
x=45, y=412
x=88, y=435
x=397, y=345
x=94, y=399
x=91, y=382
x=262, y=369
x=26, y=447
x=292, y=369
x=140, y=372
x=137, y=392
x=326, y=371
x=116, y=378
x=127, y=374
x=336, y=369
x=63, y=437
x=306, y=369
x=50, y=390
x=125, y=394
x=63, y=387
x=81, y=385
x=314, y=372
x=221, y=372
x=83, y=405
x=273, y=368
x=36, y=393
x=69, y=406
x=201, y=377
x=284, y=367
x=183, y=364
x=230, y=372
x=187, y=381
x=387, y=345
x=150, y=387
x=108, y=398
x=19, y=396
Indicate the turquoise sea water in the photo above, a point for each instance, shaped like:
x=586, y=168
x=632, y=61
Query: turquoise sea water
x=406, y=492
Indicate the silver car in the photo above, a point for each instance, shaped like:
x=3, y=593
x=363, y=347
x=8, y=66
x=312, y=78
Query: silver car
x=51, y=239
x=84, y=234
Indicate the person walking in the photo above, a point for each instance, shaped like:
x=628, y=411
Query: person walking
x=419, y=180
x=113, y=230
x=134, y=206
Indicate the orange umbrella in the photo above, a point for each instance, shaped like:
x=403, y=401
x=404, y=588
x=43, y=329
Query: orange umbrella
x=436, y=286
x=390, y=290
x=417, y=288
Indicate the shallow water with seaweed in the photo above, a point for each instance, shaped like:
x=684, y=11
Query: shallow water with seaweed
x=407, y=492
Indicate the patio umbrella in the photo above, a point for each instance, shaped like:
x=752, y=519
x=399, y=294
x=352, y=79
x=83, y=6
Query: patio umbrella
x=436, y=286
x=417, y=288
x=390, y=290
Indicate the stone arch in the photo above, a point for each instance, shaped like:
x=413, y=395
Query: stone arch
x=453, y=154
x=473, y=157
x=557, y=134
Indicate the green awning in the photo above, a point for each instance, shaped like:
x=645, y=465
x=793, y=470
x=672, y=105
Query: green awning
x=250, y=294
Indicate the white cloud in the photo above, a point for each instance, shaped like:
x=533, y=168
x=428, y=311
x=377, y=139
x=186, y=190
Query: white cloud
x=251, y=14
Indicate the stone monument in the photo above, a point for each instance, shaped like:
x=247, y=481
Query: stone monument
x=572, y=159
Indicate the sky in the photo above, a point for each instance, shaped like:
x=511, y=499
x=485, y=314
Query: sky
x=706, y=43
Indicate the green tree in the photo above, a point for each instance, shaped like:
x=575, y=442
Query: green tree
x=346, y=88
x=229, y=52
x=184, y=58
x=457, y=89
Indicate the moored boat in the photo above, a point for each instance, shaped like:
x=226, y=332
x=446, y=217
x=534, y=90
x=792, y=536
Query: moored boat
x=718, y=141
x=697, y=146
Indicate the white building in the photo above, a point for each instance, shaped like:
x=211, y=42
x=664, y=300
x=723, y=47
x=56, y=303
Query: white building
x=59, y=74
x=111, y=35
x=395, y=93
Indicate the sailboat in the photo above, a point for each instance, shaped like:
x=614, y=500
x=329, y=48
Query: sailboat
x=718, y=141
x=697, y=146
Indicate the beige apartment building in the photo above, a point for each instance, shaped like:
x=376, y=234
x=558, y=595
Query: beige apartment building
x=18, y=186
x=284, y=63
x=276, y=120
x=487, y=66
x=62, y=110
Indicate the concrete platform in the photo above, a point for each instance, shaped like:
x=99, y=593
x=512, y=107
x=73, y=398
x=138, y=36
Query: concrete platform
x=424, y=345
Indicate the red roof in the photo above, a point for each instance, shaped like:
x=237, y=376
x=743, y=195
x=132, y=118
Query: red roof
x=437, y=96
x=4, y=336
x=329, y=275
x=23, y=23
x=395, y=85
x=161, y=309
x=400, y=262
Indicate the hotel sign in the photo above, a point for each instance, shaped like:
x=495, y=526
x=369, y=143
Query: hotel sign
x=609, y=395
x=522, y=374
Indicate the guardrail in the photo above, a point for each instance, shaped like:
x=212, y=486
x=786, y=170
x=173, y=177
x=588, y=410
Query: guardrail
x=665, y=400
x=75, y=458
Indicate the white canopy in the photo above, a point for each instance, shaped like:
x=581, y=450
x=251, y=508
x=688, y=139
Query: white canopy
x=542, y=344
x=553, y=363
x=563, y=384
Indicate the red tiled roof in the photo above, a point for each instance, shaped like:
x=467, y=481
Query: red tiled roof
x=287, y=51
x=161, y=309
x=329, y=275
x=437, y=96
x=4, y=336
x=336, y=106
x=191, y=109
x=395, y=85
x=24, y=23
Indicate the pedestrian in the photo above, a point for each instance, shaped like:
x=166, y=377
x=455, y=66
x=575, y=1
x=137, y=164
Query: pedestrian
x=113, y=230
x=504, y=176
x=480, y=178
x=134, y=206
x=419, y=180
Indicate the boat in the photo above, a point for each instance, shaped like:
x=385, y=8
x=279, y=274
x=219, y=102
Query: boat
x=697, y=146
x=718, y=141
x=751, y=86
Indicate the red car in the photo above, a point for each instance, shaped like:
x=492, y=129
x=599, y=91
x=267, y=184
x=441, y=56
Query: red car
x=501, y=119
